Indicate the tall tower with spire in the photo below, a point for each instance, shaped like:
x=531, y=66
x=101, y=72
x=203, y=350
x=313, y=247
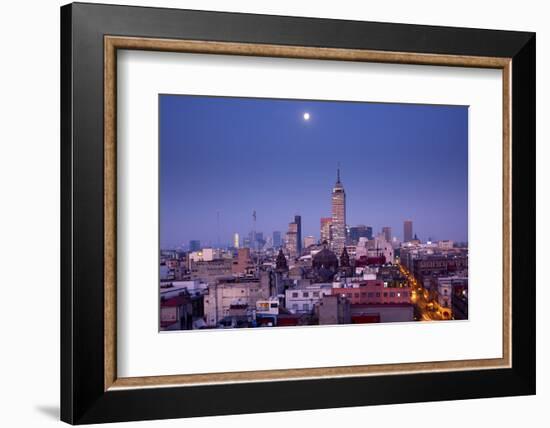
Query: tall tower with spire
x=338, y=227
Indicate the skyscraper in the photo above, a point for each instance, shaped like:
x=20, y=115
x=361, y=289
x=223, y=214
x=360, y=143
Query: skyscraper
x=194, y=245
x=386, y=230
x=325, y=229
x=407, y=231
x=291, y=243
x=236, y=240
x=369, y=232
x=298, y=221
x=359, y=231
x=338, y=216
x=276, y=239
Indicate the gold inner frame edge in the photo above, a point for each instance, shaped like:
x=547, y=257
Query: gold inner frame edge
x=113, y=43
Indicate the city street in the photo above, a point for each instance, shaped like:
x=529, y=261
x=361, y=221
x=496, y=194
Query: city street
x=425, y=307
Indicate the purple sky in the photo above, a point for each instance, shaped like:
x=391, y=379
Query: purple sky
x=235, y=155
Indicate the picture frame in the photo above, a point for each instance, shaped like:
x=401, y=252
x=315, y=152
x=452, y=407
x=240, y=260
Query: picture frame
x=91, y=390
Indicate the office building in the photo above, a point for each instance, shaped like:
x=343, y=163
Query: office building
x=194, y=245
x=277, y=242
x=386, y=231
x=298, y=221
x=407, y=231
x=338, y=216
x=326, y=223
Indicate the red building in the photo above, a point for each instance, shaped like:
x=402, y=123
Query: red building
x=373, y=292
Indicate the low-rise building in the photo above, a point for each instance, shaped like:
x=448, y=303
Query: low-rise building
x=374, y=292
x=397, y=312
x=334, y=309
x=211, y=271
x=304, y=300
x=452, y=297
x=232, y=293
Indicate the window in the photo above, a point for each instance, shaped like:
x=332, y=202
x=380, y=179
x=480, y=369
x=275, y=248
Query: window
x=315, y=294
x=356, y=295
x=378, y=294
x=392, y=294
x=385, y=294
x=294, y=295
x=274, y=305
x=371, y=294
x=306, y=307
x=305, y=294
x=295, y=306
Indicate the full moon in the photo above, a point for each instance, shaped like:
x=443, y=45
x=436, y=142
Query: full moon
x=306, y=116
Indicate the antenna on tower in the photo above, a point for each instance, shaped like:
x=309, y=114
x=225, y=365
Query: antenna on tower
x=254, y=241
x=218, y=228
x=255, y=244
x=338, y=173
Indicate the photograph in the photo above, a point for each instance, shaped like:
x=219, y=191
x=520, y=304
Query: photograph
x=287, y=212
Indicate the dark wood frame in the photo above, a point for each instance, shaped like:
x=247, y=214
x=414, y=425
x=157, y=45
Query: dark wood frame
x=90, y=35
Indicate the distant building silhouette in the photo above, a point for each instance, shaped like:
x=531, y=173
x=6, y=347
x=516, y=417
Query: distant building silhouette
x=194, y=245
x=407, y=231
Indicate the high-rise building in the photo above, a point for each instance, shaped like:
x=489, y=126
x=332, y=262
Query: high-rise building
x=309, y=241
x=338, y=216
x=276, y=239
x=298, y=221
x=407, y=231
x=256, y=240
x=325, y=229
x=386, y=231
x=236, y=240
x=194, y=245
x=359, y=231
x=291, y=242
x=369, y=232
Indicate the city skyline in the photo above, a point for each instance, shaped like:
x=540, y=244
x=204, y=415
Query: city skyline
x=221, y=159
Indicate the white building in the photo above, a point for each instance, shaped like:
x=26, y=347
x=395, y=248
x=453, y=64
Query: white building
x=267, y=306
x=170, y=289
x=204, y=255
x=303, y=300
x=375, y=248
x=446, y=244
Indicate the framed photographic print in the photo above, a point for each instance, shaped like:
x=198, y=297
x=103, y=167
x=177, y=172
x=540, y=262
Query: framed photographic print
x=266, y=213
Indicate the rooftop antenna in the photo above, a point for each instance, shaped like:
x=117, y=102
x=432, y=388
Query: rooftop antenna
x=255, y=244
x=254, y=241
x=218, y=228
